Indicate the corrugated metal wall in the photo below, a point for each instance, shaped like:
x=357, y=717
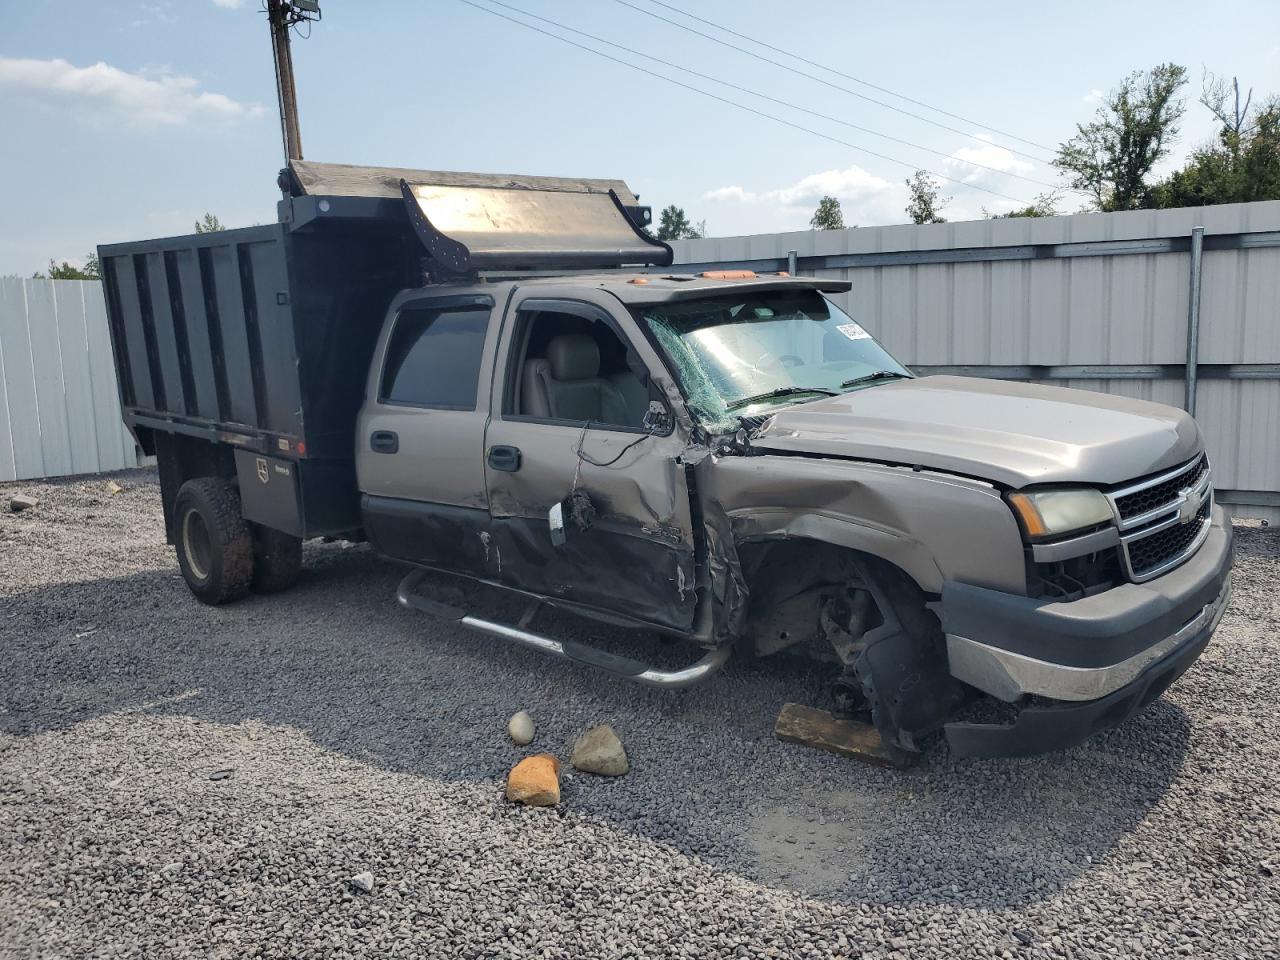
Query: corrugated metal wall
x=1109, y=306
x=59, y=409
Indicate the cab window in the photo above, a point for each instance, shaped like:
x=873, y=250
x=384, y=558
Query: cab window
x=576, y=369
x=433, y=357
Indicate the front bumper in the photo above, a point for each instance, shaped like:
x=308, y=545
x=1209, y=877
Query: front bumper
x=1091, y=663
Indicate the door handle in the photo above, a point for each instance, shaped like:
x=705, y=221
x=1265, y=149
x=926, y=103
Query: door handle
x=384, y=441
x=504, y=458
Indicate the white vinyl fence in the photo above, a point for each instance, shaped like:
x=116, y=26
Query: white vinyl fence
x=59, y=408
x=1097, y=301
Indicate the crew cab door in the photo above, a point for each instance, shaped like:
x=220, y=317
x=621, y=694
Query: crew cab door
x=420, y=433
x=571, y=424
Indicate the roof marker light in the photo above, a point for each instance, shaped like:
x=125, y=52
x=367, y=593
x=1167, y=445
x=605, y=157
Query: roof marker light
x=728, y=274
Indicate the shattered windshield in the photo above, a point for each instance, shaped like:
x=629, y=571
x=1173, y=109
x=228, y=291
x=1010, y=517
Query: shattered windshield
x=750, y=352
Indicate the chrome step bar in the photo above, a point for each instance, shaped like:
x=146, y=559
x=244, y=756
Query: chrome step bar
x=623, y=667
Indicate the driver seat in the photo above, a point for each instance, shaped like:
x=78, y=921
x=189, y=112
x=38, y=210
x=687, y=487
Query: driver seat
x=566, y=384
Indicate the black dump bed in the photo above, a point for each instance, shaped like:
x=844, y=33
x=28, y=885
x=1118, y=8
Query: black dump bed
x=260, y=338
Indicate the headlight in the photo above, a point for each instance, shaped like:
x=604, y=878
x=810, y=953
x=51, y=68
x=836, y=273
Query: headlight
x=1050, y=513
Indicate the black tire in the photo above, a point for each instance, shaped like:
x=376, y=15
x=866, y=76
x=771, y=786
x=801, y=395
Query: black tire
x=277, y=560
x=214, y=546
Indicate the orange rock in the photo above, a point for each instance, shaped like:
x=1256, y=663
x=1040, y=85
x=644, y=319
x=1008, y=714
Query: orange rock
x=535, y=781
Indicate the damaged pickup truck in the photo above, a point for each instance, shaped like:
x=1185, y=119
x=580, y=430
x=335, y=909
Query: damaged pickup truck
x=495, y=377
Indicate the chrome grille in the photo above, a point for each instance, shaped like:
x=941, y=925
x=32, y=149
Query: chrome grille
x=1163, y=519
x=1155, y=551
x=1135, y=504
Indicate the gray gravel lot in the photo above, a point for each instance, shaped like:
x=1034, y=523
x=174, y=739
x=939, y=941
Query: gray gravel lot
x=360, y=736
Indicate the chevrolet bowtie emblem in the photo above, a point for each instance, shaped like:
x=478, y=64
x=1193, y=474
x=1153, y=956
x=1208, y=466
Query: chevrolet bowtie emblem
x=1190, y=506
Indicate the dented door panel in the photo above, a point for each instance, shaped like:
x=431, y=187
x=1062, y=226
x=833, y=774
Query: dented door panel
x=636, y=556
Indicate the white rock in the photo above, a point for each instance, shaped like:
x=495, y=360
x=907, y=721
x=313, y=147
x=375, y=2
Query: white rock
x=171, y=870
x=363, y=882
x=19, y=502
x=600, y=751
x=520, y=728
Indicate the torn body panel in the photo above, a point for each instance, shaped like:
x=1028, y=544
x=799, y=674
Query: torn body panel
x=832, y=554
x=934, y=526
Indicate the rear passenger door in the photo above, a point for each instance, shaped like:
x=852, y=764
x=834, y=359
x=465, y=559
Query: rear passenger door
x=569, y=415
x=420, y=436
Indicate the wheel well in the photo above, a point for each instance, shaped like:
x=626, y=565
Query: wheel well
x=790, y=581
x=180, y=458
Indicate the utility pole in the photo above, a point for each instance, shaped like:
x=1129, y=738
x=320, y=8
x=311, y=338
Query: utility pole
x=282, y=15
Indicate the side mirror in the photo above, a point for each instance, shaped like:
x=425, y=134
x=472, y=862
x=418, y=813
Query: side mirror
x=657, y=419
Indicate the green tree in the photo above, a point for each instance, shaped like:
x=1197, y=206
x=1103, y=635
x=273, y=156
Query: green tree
x=674, y=225
x=926, y=203
x=1241, y=165
x=68, y=271
x=828, y=216
x=209, y=224
x=1112, y=157
x=1045, y=205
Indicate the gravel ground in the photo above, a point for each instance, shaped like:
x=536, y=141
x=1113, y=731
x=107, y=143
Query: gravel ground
x=177, y=780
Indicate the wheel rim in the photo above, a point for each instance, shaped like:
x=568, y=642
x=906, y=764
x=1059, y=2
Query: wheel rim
x=196, y=544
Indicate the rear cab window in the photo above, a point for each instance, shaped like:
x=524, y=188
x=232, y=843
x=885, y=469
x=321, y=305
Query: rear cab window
x=434, y=355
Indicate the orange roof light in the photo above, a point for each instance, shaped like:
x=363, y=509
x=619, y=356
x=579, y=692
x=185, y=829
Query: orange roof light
x=639, y=280
x=728, y=274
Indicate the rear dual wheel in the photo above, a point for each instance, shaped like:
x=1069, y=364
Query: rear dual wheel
x=222, y=556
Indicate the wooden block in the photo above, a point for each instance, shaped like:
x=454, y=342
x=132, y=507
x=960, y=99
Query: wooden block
x=811, y=727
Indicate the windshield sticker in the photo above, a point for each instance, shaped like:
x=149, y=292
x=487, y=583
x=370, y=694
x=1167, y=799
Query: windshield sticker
x=853, y=331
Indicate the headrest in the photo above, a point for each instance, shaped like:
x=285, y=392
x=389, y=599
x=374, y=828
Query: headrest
x=573, y=356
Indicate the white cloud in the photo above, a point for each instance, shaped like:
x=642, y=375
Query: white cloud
x=229, y=4
x=1093, y=96
x=149, y=13
x=867, y=199
x=968, y=164
x=863, y=197
x=852, y=183
x=144, y=100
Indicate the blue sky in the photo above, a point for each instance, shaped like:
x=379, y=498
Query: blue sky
x=127, y=120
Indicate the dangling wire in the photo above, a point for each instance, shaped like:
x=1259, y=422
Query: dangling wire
x=577, y=472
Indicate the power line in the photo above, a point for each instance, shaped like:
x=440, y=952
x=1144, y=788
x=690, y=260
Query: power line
x=825, y=83
x=740, y=106
x=838, y=73
x=772, y=99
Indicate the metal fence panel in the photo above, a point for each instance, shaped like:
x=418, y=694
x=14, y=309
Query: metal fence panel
x=20, y=383
x=7, y=465
x=59, y=408
x=1110, y=291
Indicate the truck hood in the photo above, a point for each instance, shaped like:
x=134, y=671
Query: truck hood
x=1013, y=434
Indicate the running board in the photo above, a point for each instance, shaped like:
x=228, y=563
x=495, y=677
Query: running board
x=623, y=667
